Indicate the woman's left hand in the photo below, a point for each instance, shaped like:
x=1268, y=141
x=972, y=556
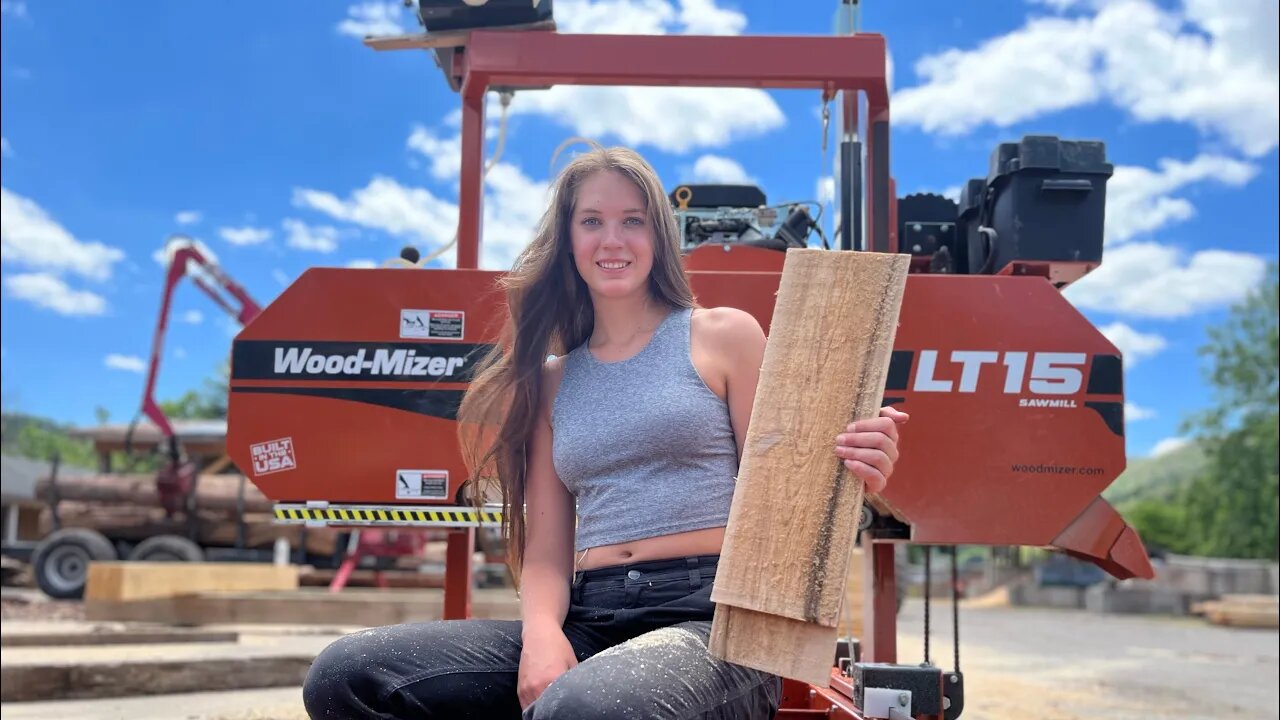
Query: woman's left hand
x=869, y=448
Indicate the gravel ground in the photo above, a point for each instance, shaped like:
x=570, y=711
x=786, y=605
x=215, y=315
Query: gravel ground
x=1018, y=663
x=1073, y=665
x=31, y=604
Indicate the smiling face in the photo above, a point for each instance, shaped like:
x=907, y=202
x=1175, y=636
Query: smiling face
x=611, y=236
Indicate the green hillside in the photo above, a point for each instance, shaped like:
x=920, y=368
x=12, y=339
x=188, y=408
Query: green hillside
x=38, y=438
x=1158, y=478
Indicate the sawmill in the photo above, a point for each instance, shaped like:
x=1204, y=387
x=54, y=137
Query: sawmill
x=974, y=326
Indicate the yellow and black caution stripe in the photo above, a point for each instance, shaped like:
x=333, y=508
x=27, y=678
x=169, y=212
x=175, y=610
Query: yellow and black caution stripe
x=399, y=515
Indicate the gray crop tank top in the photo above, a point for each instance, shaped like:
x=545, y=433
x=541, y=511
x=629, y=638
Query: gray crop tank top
x=643, y=444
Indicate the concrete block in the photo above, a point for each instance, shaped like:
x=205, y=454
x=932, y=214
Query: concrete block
x=1032, y=595
x=1144, y=599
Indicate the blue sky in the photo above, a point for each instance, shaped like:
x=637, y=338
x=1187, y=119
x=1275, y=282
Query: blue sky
x=271, y=134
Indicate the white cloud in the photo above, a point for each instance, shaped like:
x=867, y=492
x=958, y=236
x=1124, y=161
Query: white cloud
x=164, y=256
x=6, y=150
x=1168, y=445
x=513, y=205
x=29, y=236
x=129, y=363
x=1134, y=412
x=1134, y=345
x=48, y=291
x=1140, y=200
x=193, y=317
x=374, y=18
x=826, y=189
x=244, y=235
x=320, y=238
x=1045, y=66
x=180, y=353
x=1213, y=65
x=187, y=217
x=386, y=205
x=1152, y=280
x=279, y=276
x=717, y=169
x=648, y=17
x=445, y=154
x=704, y=17
x=362, y=264
x=673, y=119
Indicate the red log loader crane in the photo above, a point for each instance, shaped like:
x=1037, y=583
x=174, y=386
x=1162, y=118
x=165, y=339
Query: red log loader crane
x=344, y=390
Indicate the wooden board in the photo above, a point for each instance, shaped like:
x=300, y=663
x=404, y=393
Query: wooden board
x=349, y=608
x=789, y=648
x=795, y=508
x=117, y=581
x=128, y=636
x=34, y=681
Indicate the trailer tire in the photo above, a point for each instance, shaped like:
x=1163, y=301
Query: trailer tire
x=60, y=562
x=167, y=548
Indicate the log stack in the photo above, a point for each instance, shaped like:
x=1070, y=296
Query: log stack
x=127, y=506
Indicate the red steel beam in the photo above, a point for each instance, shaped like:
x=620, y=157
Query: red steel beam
x=533, y=59
x=539, y=59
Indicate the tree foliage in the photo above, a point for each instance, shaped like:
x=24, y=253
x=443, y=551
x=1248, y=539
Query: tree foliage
x=1231, y=508
x=207, y=403
x=40, y=439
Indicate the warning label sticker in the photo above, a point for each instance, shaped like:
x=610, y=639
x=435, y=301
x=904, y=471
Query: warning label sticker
x=432, y=324
x=422, y=484
x=273, y=456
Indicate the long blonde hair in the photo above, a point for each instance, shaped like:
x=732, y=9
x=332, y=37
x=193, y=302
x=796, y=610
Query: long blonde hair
x=549, y=312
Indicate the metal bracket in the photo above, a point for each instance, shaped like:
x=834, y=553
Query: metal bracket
x=882, y=702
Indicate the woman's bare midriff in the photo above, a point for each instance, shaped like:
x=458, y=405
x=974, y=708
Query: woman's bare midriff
x=694, y=542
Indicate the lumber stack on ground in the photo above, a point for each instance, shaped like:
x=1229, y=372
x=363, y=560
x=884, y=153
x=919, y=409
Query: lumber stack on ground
x=792, y=525
x=1249, y=611
x=128, y=581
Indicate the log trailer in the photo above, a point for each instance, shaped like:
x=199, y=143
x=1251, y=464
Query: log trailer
x=344, y=390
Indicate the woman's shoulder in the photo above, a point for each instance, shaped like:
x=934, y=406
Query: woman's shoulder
x=552, y=374
x=727, y=328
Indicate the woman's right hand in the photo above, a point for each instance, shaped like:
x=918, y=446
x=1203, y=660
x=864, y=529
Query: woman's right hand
x=546, y=655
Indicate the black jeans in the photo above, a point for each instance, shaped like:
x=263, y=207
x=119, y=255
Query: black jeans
x=640, y=633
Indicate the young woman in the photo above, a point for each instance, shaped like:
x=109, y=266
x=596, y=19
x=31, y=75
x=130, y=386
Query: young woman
x=633, y=433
